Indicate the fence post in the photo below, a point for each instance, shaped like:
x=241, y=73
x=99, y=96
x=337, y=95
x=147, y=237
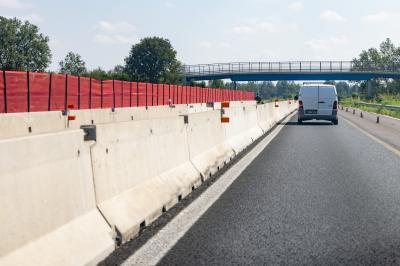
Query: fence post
x=113, y=93
x=101, y=94
x=181, y=94
x=79, y=92
x=137, y=93
x=169, y=93
x=146, y=95
x=29, y=91
x=157, y=94
x=177, y=92
x=90, y=93
x=130, y=94
x=190, y=94
x=66, y=92
x=186, y=88
x=163, y=94
x=49, y=100
x=152, y=94
x=5, y=91
x=122, y=93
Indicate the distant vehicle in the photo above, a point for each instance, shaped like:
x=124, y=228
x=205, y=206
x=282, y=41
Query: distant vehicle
x=318, y=102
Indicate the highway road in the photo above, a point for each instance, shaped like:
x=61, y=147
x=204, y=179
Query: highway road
x=318, y=194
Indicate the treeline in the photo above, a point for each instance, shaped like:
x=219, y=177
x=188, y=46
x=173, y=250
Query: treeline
x=24, y=48
x=388, y=54
x=153, y=59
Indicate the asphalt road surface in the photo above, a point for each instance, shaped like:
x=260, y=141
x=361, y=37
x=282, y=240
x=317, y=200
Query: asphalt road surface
x=317, y=195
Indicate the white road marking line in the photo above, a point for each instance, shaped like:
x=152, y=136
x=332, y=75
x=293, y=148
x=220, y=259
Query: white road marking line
x=158, y=246
x=386, y=145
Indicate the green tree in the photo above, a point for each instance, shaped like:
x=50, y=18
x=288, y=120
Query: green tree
x=22, y=47
x=118, y=73
x=72, y=64
x=98, y=74
x=216, y=84
x=385, y=58
x=343, y=89
x=153, y=59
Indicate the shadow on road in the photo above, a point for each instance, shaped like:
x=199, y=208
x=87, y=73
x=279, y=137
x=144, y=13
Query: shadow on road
x=291, y=123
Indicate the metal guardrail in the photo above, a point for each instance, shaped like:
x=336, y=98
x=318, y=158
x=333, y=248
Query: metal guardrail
x=375, y=105
x=291, y=66
x=388, y=107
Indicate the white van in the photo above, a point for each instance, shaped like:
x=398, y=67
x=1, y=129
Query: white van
x=318, y=102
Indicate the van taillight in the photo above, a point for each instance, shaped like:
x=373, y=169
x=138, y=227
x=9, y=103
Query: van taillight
x=300, y=104
x=335, y=105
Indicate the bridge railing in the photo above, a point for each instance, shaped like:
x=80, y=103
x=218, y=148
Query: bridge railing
x=290, y=66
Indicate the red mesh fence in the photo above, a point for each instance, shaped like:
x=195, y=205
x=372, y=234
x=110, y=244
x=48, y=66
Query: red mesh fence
x=37, y=92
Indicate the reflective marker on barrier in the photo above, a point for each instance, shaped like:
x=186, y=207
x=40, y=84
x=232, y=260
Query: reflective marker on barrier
x=71, y=118
x=225, y=104
x=224, y=119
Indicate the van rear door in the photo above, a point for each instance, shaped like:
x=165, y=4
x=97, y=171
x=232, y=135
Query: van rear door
x=327, y=96
x=309, y=96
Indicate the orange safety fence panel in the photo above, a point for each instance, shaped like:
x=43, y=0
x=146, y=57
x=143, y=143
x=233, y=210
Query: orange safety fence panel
x=2, y=91
x=107, y=93
x=39, y=85
x=96, y=99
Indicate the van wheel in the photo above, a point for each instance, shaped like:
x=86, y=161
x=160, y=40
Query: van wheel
x=335, y=122
x=299, y=121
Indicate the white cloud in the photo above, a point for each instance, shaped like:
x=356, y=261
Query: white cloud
x=115, y=26
x=326, y=44
x=380, y=17
x=32, y=18
x=296, y=6
x=262, y=27
x=115, y=39
x=55, y=44
x=169, y=4
x=115, y=33
x=242, y=30
x=206, y=44
x=16, y=4
x=331, y=16
x=269, y=53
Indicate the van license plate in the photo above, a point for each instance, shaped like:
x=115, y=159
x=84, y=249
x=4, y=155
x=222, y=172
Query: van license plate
x=311, y=112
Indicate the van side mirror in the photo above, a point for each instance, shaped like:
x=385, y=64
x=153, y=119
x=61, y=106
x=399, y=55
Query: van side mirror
x=296, y=97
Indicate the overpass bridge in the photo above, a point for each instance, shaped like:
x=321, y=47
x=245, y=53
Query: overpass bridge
x=290, y=70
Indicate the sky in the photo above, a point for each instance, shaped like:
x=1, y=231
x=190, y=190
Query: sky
x=212, y=31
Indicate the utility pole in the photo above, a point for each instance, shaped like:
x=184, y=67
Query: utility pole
x=369, y=88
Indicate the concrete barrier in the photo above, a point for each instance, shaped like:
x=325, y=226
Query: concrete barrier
x=140, y=169
x=22, y=124
x=209, y=150
x=243, y=127
x=265, y=116
x=50, y=183
x=268, y=114
x=48, y=214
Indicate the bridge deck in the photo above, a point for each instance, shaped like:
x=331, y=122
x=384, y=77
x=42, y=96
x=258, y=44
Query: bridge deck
x=310, y=70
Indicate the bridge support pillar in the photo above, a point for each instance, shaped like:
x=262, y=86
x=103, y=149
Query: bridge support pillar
x=369, y=88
